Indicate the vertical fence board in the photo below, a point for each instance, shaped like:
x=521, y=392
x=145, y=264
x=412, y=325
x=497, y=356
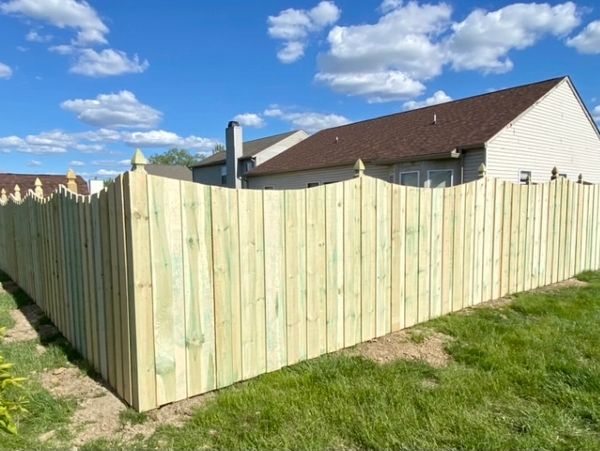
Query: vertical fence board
x=334, y=224
x=424, y=274
x=383, y=319
x=316, y=284
x=295, y=270
x=368, y=257
x=411, y=290
x=458, y=248
x=437, y=227
x=398, y=256
x=352, y=263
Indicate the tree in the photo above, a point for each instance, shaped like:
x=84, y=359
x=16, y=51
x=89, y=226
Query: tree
x=174, y=157
x=218, y=148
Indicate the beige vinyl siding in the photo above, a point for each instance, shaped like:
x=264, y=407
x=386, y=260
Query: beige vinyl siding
x=300, y=179
x=554, y=132
x=472, y=159
x=208, y=175
x=279, y=147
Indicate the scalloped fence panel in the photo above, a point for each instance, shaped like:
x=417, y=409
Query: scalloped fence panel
x=171, y=289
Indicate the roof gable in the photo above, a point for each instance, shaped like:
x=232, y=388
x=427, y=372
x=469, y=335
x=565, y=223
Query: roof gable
x=412, y=134
x=250, y=149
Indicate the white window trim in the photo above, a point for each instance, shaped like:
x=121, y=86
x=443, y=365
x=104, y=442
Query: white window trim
x=524, y=170
x=430, y=171
x=410, y=172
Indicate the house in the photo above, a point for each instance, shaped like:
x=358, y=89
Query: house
x=229, y=167
x=518, y=133
x=41, y=184
x=171, y=171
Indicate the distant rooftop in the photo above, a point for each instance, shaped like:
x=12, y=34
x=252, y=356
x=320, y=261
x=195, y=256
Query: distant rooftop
x=250, y=148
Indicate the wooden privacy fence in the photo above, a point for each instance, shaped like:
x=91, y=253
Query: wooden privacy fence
x=172, y=289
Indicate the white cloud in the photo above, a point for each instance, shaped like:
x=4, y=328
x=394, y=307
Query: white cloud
x=5, y=71
x=411, y=43
x=293, y=26
x=250, y=120
x=34, y=36
x=111, y=163
x=78, y=15
x=108, y=173
x=76, y=163
x=120, y=110
x=484, y=39
x=437, y=98
x=588, y=40
x=34, y=163
x=308, y=121
x=106, y=63
x=387, y=60
x=62, y=49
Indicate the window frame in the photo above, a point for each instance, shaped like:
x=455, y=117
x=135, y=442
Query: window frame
x=429, y=171
x=521, y=171
x=410, y=172
x=223, y=175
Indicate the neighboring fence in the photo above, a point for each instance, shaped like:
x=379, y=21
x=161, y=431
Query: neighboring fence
x=194, y=288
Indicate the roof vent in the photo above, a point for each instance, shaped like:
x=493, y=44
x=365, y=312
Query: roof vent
x=434, y=119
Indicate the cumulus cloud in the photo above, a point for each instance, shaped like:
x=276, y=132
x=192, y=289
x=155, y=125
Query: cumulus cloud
x=34, y=36
x=411, y=43
x=120, y=110
x=588, y=40
x=78, y=15
x=308, y=121
x=34, y=163
x=5, y=71
x=76, y=163
x=106, y=63
x=250, y=120
x=484, y=39
x=437, y=98
x=293, y=26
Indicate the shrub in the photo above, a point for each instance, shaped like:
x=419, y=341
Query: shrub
x=9, y=404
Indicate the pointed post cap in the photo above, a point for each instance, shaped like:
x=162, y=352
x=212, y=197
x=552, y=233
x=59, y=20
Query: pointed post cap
x=138, y=161
x=17, y=193
x=38, y=187
x=71, y=183
x=554, y=173
x=580, y=178
x=3, y=197
x=70, y=174
x=359, y=168
x=482, y=170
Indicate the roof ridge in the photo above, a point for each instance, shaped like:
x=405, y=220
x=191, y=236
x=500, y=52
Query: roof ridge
x=448, y=103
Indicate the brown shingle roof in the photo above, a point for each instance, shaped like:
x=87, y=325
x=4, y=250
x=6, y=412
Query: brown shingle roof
x=411, y=134
x=250, y=148
x=49, y=183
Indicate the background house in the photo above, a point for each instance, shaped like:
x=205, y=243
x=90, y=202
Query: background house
x=517, y=132
x=229, y=167
x=47, y=183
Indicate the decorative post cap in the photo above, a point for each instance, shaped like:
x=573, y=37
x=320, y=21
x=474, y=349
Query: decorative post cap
x=3, y=197
x=580, y=178
x=482, y=170
x=554, y=173
x=138, y=161
x=38, y=187
x=17, y=194
x=71, y=183
x=359, y=168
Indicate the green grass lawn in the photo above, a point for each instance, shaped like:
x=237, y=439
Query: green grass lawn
x=524, y=376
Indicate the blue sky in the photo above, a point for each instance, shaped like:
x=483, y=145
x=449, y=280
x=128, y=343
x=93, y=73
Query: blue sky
x=84, y=83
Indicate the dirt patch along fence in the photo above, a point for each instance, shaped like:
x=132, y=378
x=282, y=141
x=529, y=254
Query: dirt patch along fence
x=172, y=289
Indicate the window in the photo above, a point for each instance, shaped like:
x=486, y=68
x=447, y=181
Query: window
x=312, y=184
x=524, y=176
x=248, y=165
x=409, y=178
x=440, y=178
x=562, y=175
x=223, y=175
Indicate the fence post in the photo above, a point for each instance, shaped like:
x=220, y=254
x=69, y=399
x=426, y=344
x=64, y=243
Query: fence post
x=482, y=170
x=17, y=193
x=554, y=175
x=3, y=197
x=39, y=191
x=580, y=178
x=71, y=184
x=359, y=168
x=138, y=161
